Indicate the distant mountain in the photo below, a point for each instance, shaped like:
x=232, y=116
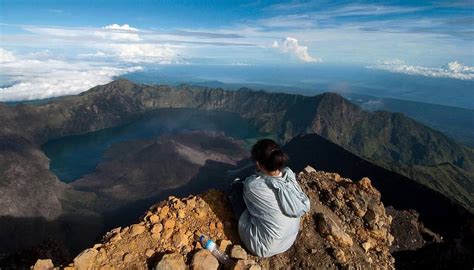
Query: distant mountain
x=310, y=80
x=457, y=123
x=33, y=200
x=391, y=140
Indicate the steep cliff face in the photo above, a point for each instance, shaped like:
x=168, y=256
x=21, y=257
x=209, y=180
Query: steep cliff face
x=346, y=227
x=18, y=159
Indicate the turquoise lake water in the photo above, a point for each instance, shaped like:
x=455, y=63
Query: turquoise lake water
x=74, y=156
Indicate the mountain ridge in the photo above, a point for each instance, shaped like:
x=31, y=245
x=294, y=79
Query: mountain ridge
x=392, y=140
x=372, y=136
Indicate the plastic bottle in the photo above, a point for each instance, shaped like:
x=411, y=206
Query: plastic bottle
x=212, y=247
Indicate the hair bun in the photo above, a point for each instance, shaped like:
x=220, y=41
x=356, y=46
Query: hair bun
x=268, y=154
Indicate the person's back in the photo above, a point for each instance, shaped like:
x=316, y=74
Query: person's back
x=274, y=202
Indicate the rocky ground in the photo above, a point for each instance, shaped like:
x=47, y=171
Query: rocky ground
x=347, y=227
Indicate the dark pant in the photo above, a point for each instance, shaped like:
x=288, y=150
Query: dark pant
x=237, y=199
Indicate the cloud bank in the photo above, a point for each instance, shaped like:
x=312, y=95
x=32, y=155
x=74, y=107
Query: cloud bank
x=290, y=45
x=453, y=70
x=116, y=49
x=140, y=53
x=44, y=78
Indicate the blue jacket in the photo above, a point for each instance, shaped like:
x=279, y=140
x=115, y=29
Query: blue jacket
x=274, y=206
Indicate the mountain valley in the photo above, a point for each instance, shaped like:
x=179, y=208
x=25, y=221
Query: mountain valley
x=400, y=155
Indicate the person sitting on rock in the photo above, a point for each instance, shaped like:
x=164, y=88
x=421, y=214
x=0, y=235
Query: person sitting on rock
x=268, y=204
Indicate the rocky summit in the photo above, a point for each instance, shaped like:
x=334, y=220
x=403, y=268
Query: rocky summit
x=347, y=227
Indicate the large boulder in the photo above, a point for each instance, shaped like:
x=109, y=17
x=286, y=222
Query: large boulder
x=204, y=260
x=85, y=260
x=172, y=261
x=43, y=265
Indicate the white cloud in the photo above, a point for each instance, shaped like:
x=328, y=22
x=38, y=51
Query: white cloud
x=288, y=21
x=457, y=67
x=454, y=70
x=136, y=53
x=373, y=104
x=38, y=79
x=353, y=9
x=6, y=56
x=369, y=10
x=119, y=32
x=290, y=45
x=58, y=31
x=102, y=54
x=115, y=42
x=124, y=27
x=113, y=32
x=117, y=36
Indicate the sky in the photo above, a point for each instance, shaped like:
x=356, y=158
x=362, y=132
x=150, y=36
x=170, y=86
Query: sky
x=51, y=48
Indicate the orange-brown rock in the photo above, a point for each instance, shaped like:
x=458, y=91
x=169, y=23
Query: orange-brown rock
x=172, y=261
x=204, y=260
x=43, y=265
x=334, y=232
